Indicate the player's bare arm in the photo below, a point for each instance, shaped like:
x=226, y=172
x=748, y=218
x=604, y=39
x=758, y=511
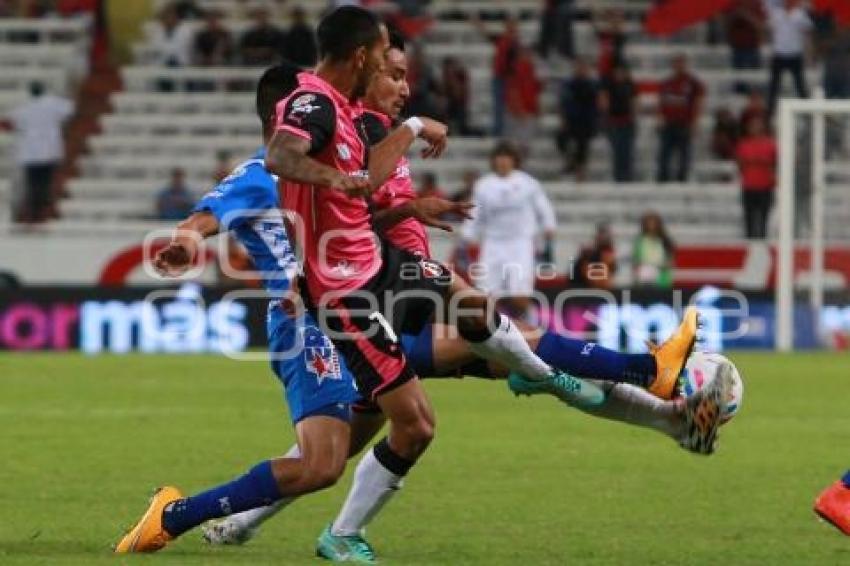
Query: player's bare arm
x=427, y=210
x=175, y=259
x=286, y=156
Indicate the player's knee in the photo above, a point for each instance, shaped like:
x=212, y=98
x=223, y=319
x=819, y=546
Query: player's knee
x=479, y=321
x=420, y=433
x=323, y=476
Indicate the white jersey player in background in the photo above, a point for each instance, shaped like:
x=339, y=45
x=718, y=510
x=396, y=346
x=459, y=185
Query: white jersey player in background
x=511, y=211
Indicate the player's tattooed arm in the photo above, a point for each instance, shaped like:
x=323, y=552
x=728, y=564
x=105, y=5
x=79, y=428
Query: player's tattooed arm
x=430, y=211
x=175, y=259
x=287, y=157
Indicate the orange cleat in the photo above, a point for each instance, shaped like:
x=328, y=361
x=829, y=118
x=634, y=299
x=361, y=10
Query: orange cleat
x=148, y=535
x=833, y=506
x=671, y=356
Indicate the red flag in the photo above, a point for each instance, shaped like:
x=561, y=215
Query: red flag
x=669, y=16
x=840, y=9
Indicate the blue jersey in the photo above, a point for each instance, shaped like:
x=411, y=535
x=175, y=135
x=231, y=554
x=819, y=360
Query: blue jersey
x=246, y=204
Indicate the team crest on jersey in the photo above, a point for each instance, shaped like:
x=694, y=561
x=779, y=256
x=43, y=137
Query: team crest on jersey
x=320, y=356
x=344, y=151
x=302, y=106
x=431, y=269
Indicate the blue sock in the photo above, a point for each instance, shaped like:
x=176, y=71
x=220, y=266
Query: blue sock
x=589, y=360
x=254, y=489
x=846, y=479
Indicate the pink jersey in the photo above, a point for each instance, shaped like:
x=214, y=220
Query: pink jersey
x=409, y=234
x=331, y=231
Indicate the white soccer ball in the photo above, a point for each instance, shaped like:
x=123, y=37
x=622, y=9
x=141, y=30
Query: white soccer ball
x=700, y=369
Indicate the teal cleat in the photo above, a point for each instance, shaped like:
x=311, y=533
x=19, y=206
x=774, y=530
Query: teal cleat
x=571, y=390
x=344, y=548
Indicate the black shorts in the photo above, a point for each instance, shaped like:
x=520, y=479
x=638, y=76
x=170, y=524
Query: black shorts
x=366, y=325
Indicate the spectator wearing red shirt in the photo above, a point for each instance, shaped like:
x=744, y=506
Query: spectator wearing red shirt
x=507, y=46
x=745, y=22
x=611, y=41
x=522, y=98
x=680, y=103
x=756, y=155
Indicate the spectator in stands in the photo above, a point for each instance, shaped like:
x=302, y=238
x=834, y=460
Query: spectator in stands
x=834, y=49
x=507, y=46
x=745, y=21
x=597, y=262
x=223, y=166
x=724, y=135
x=425, y=92
x=299, y=45
x=213, y=43
x=756, y=155
x=175, y=200
x=756, y=107
x=652, y=253
x=522, y=99
x=681, y=96
x=617, y=105
x=790, y=26
x=610, y=40
x=173, y=37
x=456, y=92
x=263, y=43
x=578, y=118
x=429, y=186
x=556, y=28
x=39, y=147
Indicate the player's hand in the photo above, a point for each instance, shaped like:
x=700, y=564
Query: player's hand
x=173, y=260
x=429, y=210
x=436, y=134
x=354, y=185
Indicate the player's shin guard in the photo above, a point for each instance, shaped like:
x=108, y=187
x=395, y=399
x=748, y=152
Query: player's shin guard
x=591, y=361
x=378, y=477
x=507, y=345
x=256, y=488
x=239, y=527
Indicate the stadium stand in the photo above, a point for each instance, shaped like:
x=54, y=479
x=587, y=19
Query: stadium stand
x=149, y=131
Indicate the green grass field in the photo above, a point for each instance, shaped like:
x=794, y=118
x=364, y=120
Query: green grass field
x=507, y=481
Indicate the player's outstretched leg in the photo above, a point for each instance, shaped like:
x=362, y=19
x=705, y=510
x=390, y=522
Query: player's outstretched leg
x=833, y=504
x=497, y=338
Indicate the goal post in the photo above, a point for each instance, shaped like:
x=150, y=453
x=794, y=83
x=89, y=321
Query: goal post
x=789, y=112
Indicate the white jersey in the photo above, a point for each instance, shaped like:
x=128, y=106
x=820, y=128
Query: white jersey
x=509, y=208
x=509, y=212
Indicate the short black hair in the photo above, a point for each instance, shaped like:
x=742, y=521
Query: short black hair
x=345, y=30
x=277, y=83
x=36, y=88
x=397, y=41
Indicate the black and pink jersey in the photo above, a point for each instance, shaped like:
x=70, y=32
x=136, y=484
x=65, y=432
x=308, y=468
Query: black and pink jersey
x=332, y=232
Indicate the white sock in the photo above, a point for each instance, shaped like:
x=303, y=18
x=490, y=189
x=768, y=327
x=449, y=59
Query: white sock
x=373, y=487
x=508, y=347
x=633, y=405
x=253, y=518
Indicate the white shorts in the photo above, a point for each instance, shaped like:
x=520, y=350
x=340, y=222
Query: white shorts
x=507, y=267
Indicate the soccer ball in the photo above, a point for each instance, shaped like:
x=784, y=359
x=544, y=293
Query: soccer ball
x=700, y=369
